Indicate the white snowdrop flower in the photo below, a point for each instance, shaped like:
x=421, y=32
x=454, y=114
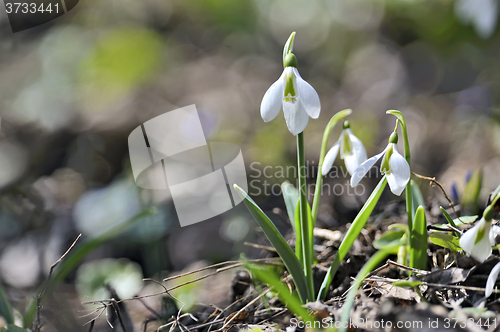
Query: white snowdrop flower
x=296, y=97
x=492, y=279
x=394, y=166
x=478, y=240
x=351, y=150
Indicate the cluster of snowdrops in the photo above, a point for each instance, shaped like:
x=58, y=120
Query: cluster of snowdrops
x=299, y=102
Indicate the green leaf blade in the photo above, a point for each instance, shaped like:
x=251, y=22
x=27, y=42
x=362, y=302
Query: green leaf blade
x=418, y=241
x=445, y=240
x=388, y=238
x=282, y=248
x=369, y=266
x=292, y=302
x=416, y=196
x=311, y=232
x=353, y=232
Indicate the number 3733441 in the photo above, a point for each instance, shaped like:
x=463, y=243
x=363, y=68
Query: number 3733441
x=31, y=8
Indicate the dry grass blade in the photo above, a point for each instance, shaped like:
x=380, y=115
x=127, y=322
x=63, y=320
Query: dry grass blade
x=217, y=265
x=226, y=268
x=217, y=320
x=281, y=312
x=391, y=262
x=90, y=313
x=229, y=321
x=104, y=304
x=440, y=286
x=99, y=315
x=195, y=327
x=259, y=246
x=107, y=319
x=37, y=324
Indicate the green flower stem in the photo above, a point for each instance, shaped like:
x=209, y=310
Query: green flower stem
x=409, y=209
x=319, y=177
x=353, y=232
x=495, y=200
x=304, y=226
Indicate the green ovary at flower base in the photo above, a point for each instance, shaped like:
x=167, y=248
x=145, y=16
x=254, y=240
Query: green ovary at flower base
x=394, y=166
x=352, y=151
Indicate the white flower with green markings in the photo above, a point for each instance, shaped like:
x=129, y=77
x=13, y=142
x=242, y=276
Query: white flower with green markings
x=478, y=240
x=394, y=166
x=492, y=280
x=352, y=151
x=296, y=97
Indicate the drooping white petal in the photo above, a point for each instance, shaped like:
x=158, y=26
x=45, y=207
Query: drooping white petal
x=296, y=117
x=494, y=232
x=272, y=100
x=479, y=249
x=308, y=96
x=361, y=171
x=358, y=153
x=396, y=187
x=330, y=158
x=492, y=279
x=399, y=174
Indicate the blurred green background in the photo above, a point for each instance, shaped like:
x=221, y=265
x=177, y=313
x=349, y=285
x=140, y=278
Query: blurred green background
x=72, y=90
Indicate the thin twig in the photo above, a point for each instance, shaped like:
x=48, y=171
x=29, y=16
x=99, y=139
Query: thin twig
x=37, y=324
x=471, y=288
x=273, y=316
x=407, y=267
x=205, y=324
x=259, y=246
x=118, y=313
x=99, y=315
x=244, y=308
x=175, y=323
x=435, y=182
x=107, y=319
x=229, y=306
x=217, y=265
x=237, y=264
x=380, y=268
